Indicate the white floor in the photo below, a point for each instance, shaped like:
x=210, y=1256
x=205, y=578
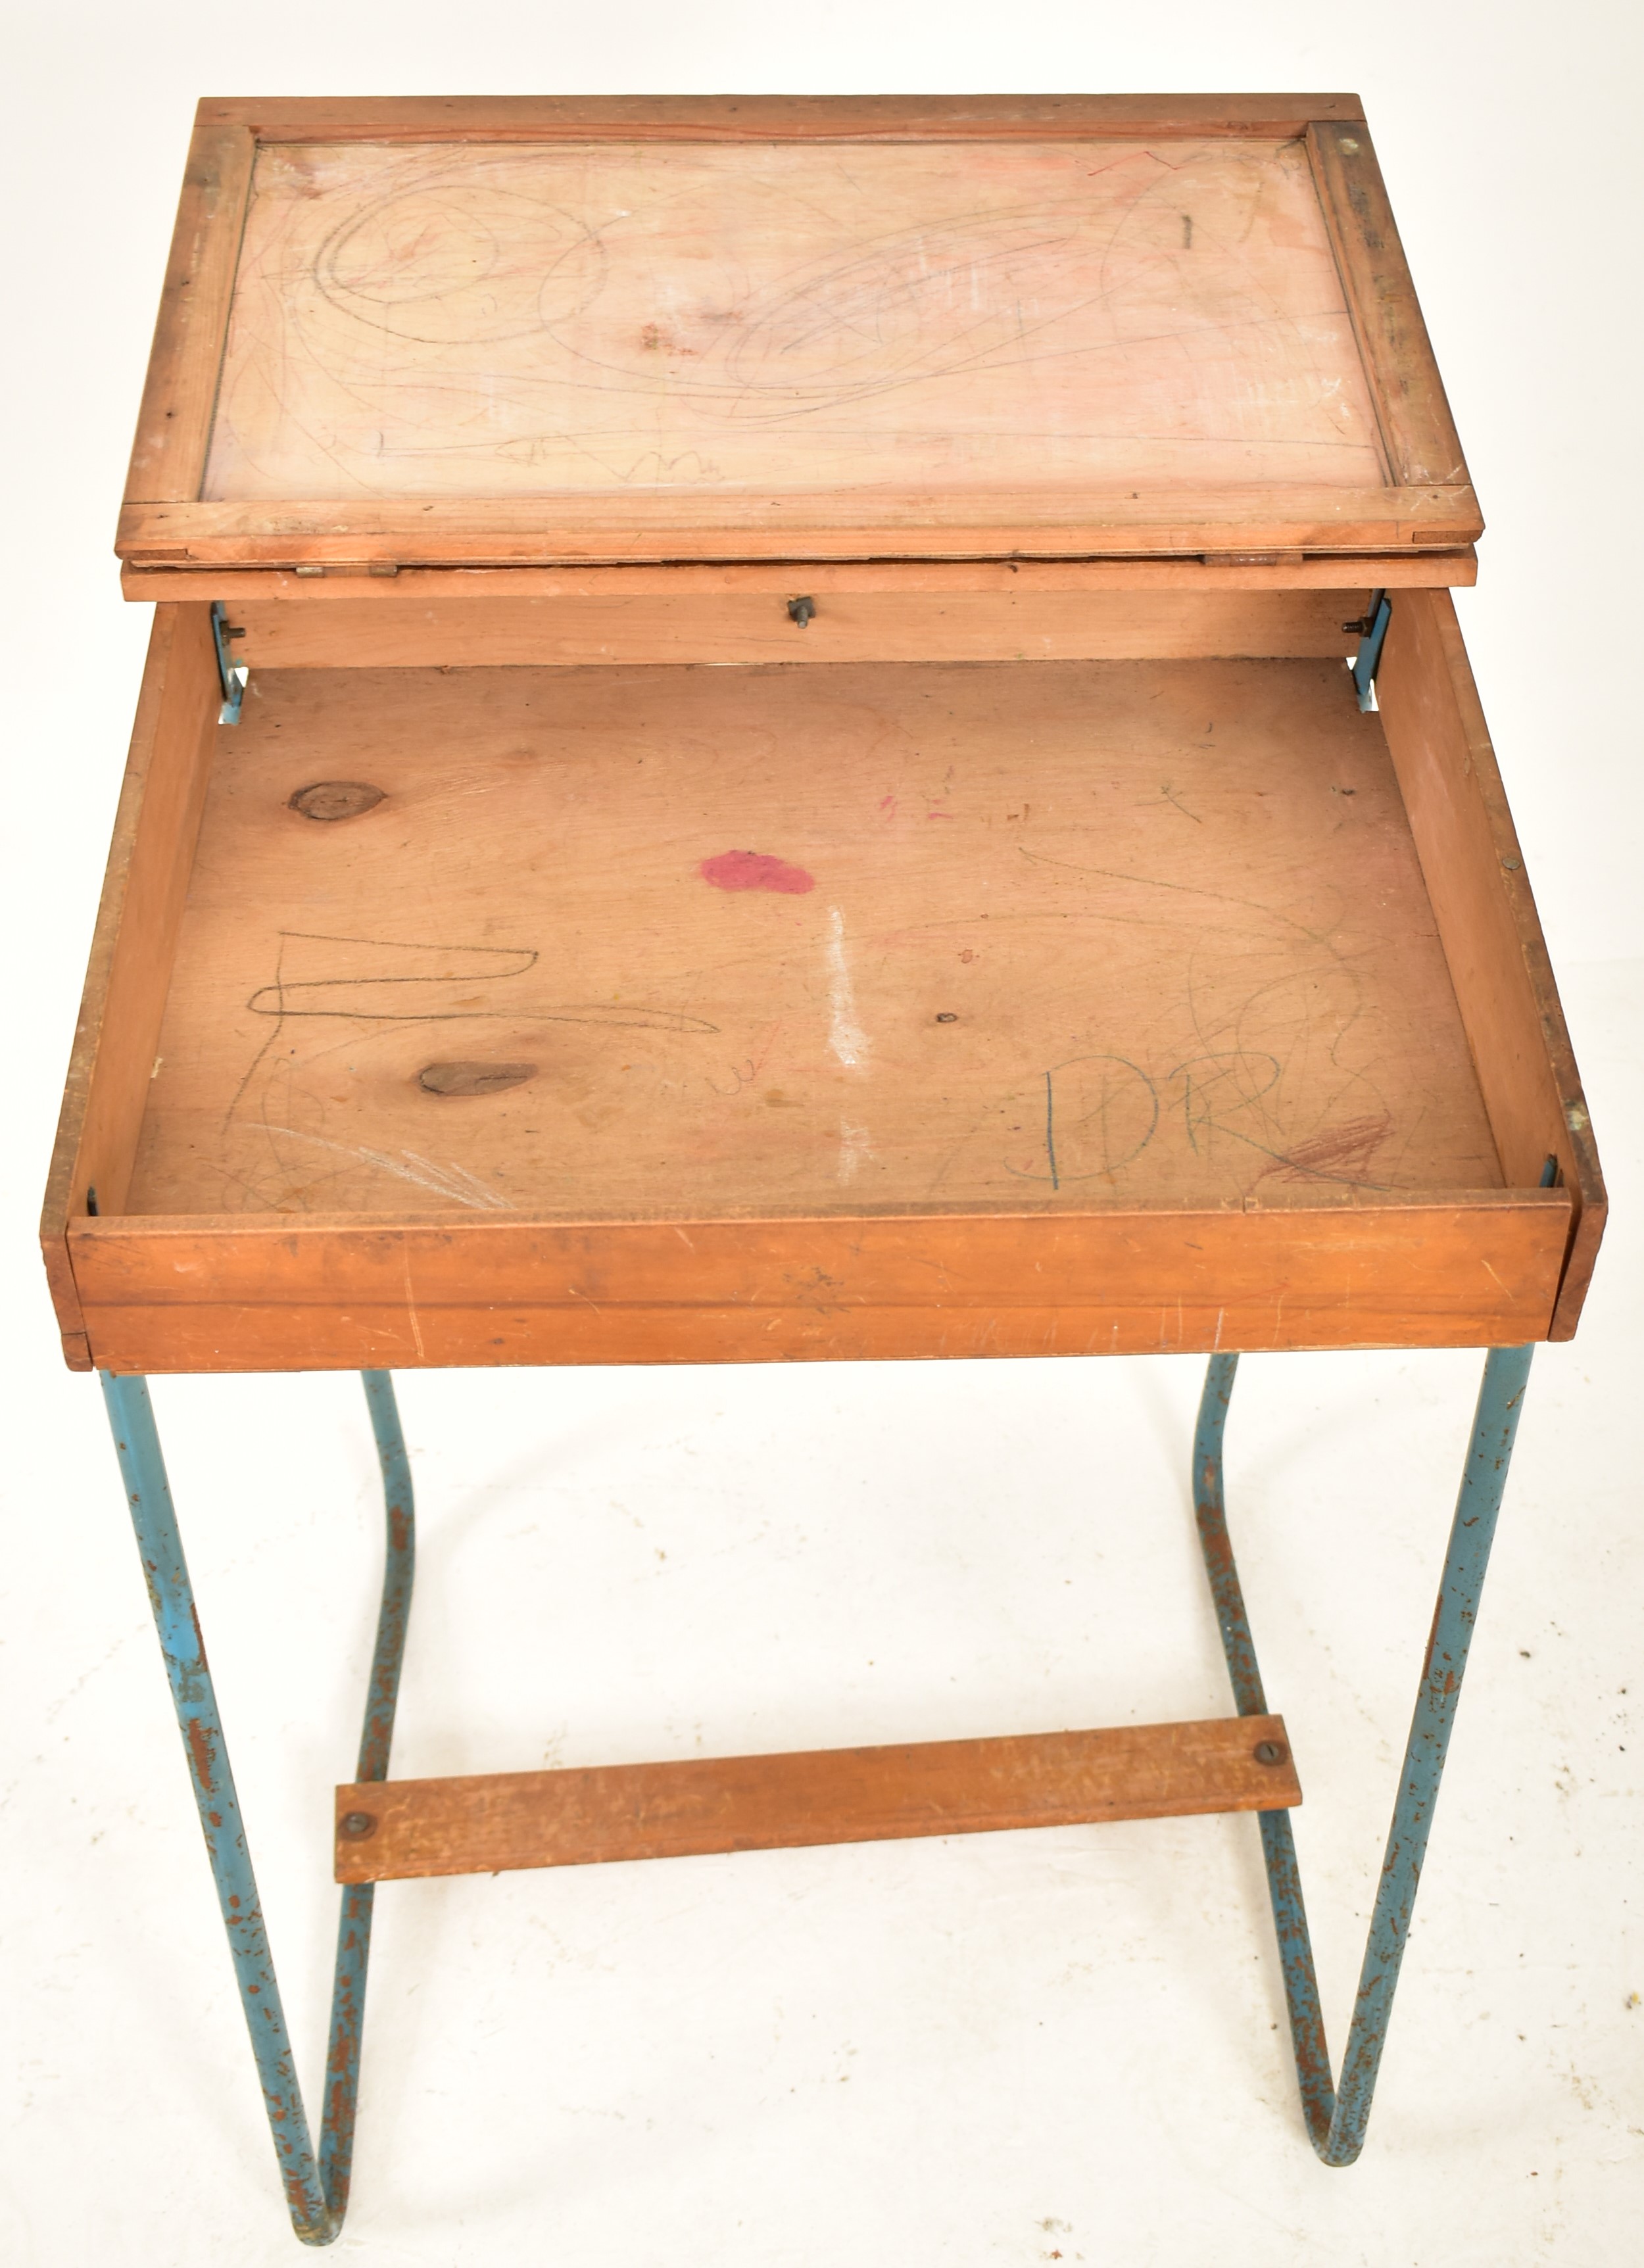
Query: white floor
x=996, y=2049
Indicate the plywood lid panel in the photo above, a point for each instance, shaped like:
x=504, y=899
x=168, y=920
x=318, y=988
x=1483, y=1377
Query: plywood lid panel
x=577, y=346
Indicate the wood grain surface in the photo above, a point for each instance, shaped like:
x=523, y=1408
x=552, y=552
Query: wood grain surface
x=814, y=939
x=1465, y=838
x=499, y=1821
x=1268, y=572
x=146, y=880
x=606, y=319
x=1260, y=522
x=1014, y=620
x=1304, y=1269
x=802, y=1206
x=1418, y=432
x=180, y=393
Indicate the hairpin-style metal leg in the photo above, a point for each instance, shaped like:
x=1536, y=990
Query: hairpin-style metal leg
x=315, y=2192
x=317, y=2187
x=1337, y=2115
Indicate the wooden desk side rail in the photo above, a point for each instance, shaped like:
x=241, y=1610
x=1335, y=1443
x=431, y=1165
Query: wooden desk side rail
x=150, y=858
x=173, y=431
x=389, y=1831
x=1418, y=432
x=1486, y=917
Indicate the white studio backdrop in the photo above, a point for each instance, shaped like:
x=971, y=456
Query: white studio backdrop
x=996, y=2049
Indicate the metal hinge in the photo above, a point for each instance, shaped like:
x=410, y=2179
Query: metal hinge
x=1372, y=628
x=233, y=674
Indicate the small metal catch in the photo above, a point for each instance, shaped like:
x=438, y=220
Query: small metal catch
x=800, y=611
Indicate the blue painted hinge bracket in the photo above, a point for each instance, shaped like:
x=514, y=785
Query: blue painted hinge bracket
x=1372, y=628
x=233, y=674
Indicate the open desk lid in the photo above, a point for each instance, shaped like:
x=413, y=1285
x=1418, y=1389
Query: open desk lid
x=508, y=332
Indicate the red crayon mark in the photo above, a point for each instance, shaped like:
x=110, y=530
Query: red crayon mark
x=1340, y=1153
x=755, y=870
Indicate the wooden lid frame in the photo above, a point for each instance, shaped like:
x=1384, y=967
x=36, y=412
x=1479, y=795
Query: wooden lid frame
x=1425, y=503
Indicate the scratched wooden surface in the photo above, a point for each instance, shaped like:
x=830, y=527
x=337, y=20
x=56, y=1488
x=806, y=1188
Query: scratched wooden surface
x=594, y=1814
x=488, y=321
x=819, y=938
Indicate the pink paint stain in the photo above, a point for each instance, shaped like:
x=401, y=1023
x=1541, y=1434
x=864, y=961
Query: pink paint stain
x=755, y=870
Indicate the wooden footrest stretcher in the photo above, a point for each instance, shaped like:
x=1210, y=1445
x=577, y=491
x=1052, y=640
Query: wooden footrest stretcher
x=391, y=1829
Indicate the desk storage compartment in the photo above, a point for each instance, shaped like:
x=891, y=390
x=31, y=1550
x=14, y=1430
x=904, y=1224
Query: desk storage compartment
x=487, y=1011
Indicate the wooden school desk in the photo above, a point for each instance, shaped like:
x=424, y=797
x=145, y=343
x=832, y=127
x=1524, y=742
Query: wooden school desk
x=805, y=730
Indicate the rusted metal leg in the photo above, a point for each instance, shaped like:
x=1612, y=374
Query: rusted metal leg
x=1336, y=2114
x=316, y=2192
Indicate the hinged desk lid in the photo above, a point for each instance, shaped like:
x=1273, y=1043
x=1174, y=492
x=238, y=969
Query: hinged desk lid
x=499, y=332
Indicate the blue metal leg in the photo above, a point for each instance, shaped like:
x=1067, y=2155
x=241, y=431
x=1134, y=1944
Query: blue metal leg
x=1337, y=2115
x=315, y=2192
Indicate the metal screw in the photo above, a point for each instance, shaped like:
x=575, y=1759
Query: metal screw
x=946, y=1016
x=1512, y=864
x=356, y=1825
x=1350, y=146
x=1265, y=1752
x=800, y=611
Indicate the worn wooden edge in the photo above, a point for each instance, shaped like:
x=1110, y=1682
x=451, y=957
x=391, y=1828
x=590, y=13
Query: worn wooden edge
x=495, y=1822
x=1305, y=1204
x=1469, y=1268
x=1411, y=407
x=1241, y=524
x=233, y=1335
x=85, y=1092
x=1335, y=571
x=768, y=117
x=191, y=331
x=1568, y=1134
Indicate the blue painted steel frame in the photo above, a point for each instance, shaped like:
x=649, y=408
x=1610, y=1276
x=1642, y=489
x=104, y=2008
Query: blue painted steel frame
x=317, y=2186
x=316, y=2190
x=1337, y=2115
x=232, y=674
x=1367, y=660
